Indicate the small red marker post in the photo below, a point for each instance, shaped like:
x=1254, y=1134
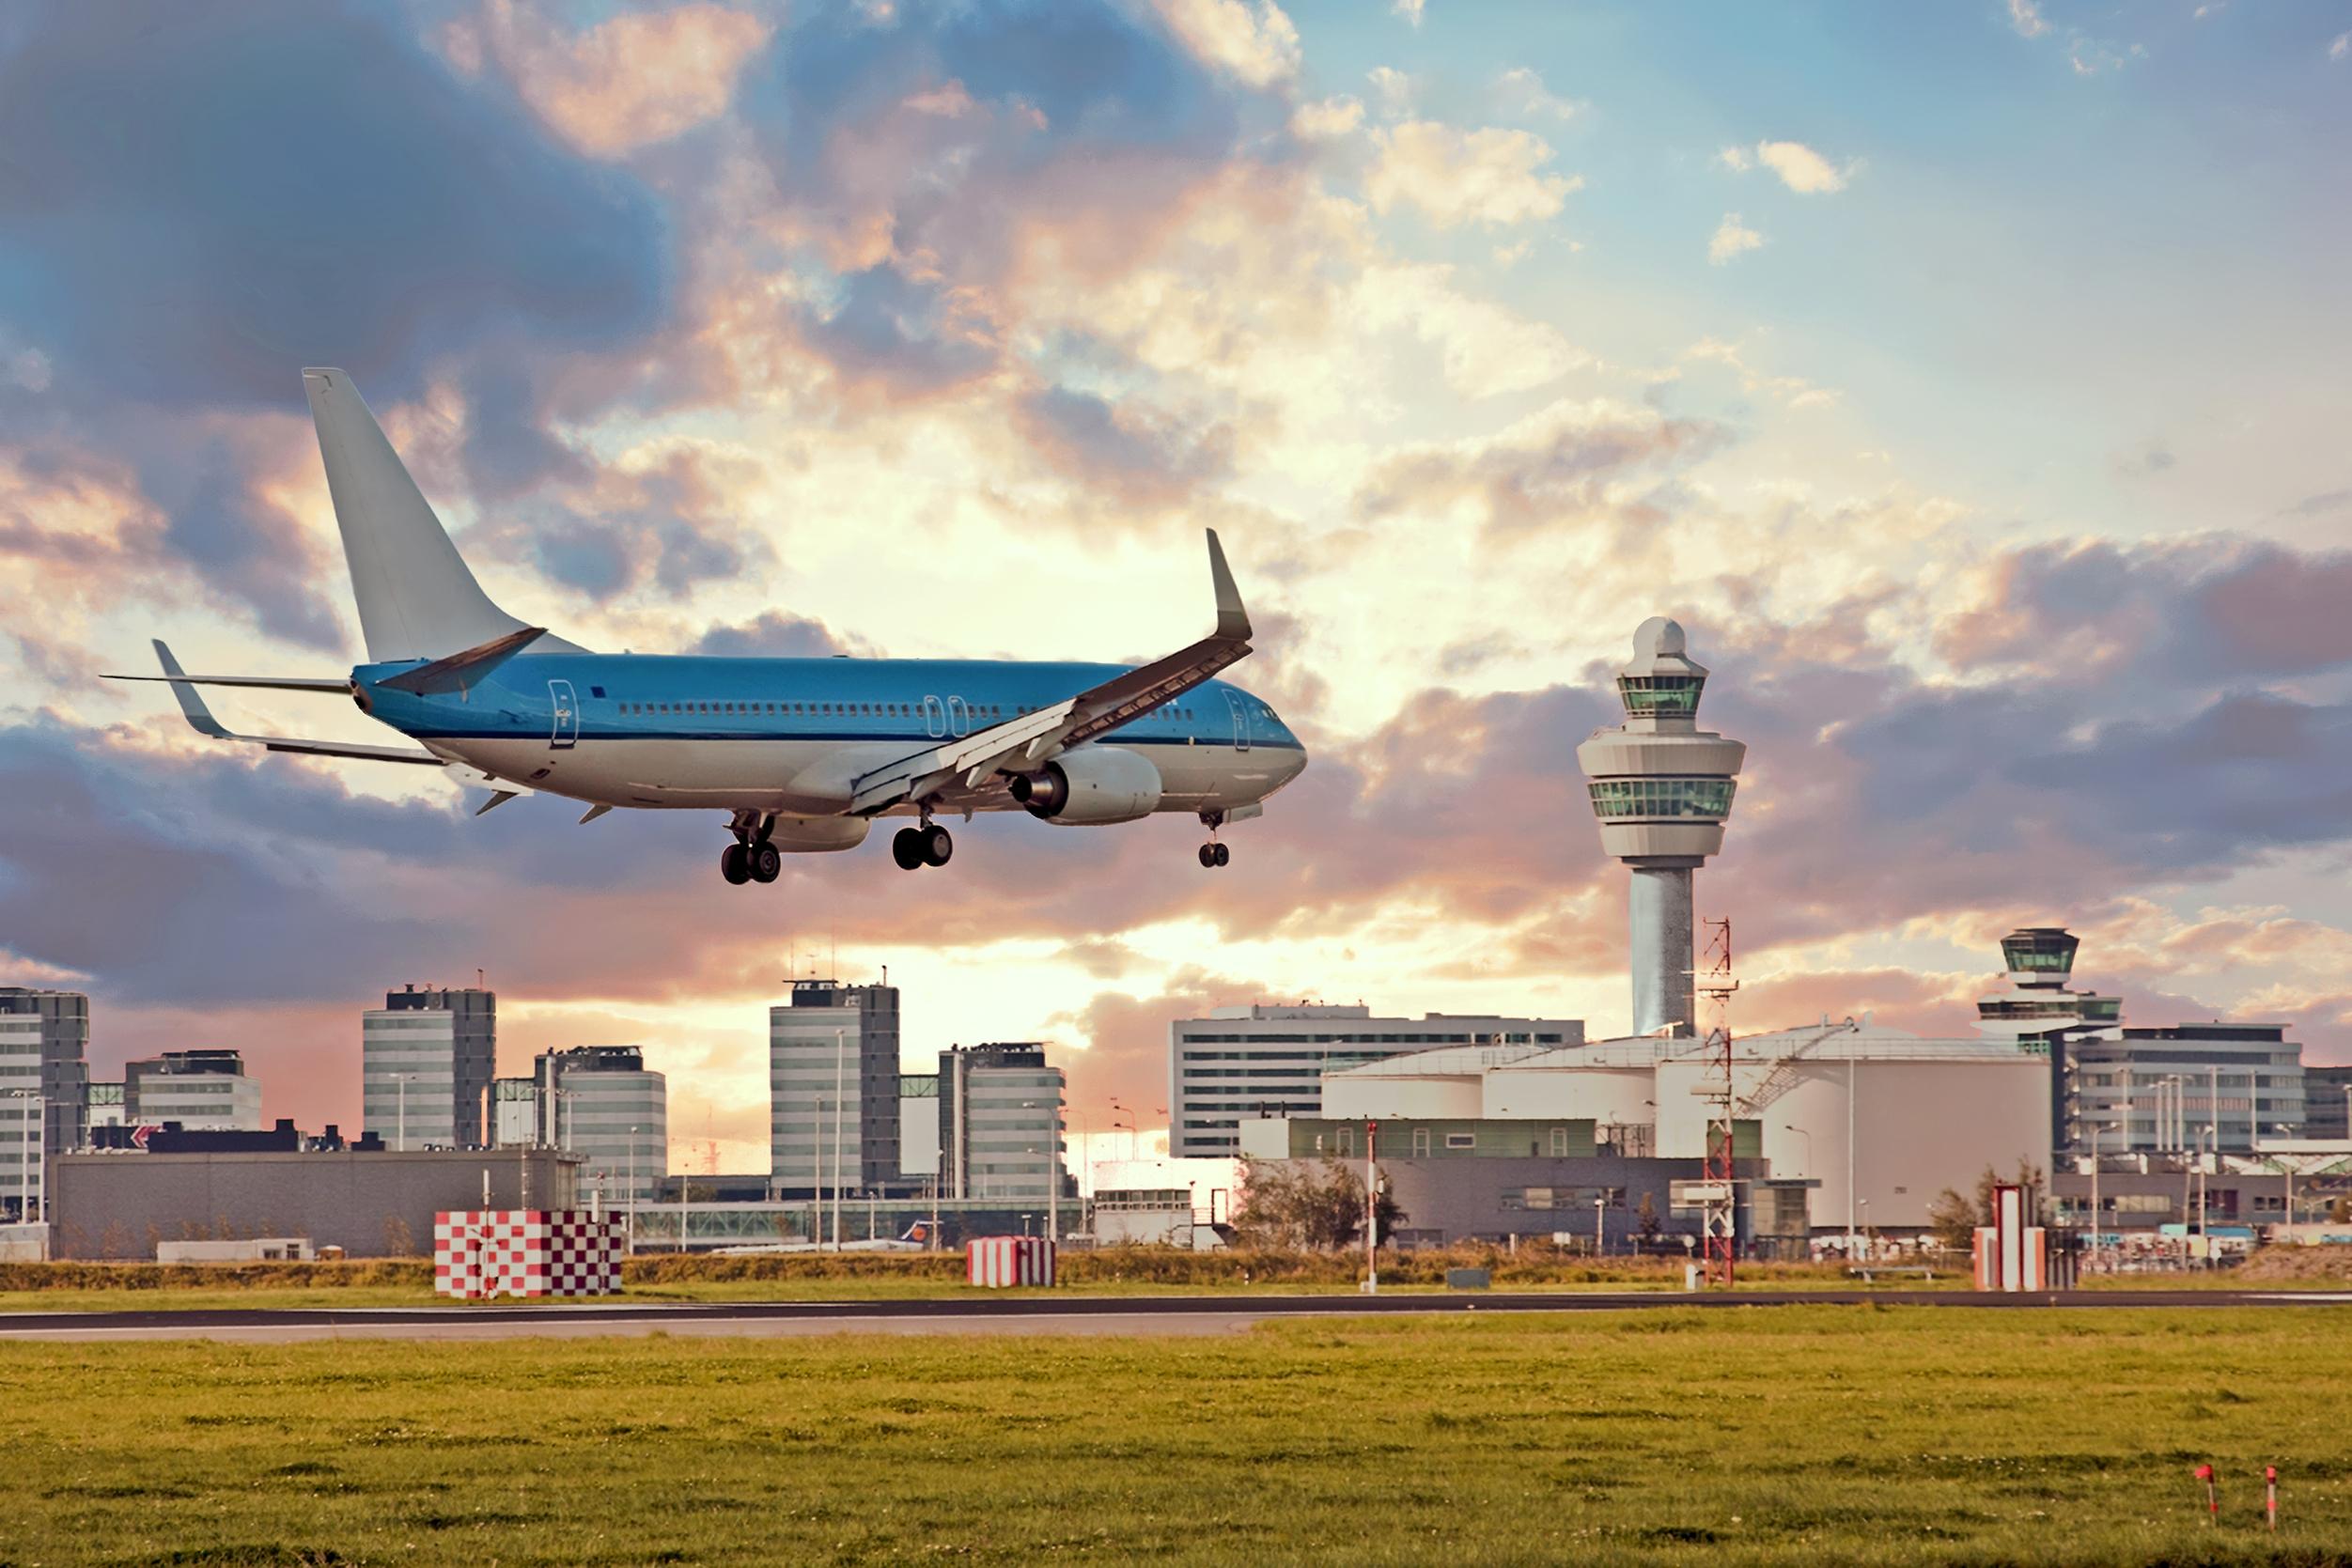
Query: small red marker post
x=2213, y=1495
x=2270, y=1494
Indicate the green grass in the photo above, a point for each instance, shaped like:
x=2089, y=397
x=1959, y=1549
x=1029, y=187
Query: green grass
x=1850, y=1435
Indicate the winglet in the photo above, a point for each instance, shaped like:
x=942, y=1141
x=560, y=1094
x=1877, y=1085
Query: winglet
x=1232, y=620
x=199, y=716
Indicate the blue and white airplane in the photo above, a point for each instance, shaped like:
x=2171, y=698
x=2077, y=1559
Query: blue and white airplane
x=803, y=754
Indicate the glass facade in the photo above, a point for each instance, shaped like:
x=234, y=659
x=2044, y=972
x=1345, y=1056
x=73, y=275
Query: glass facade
x=1661, y=696
x=1700, y=800
x=2039, y=949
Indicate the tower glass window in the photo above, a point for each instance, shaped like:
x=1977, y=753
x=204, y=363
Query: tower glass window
x=1706, y=798
x=1671, y=696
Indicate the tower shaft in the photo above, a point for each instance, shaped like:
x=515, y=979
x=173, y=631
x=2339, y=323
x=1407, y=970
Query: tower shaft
x=1658, y=908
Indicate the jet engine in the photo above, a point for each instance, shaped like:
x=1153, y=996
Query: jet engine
x=1091, y=787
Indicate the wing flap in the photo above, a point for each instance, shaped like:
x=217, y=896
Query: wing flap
x=1032, y=737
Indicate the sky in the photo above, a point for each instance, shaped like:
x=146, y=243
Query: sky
x=1967, y=378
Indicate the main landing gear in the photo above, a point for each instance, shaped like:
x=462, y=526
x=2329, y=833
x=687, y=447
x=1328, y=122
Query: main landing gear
x=752, y=858
x=916, y=848
x=1214, y=855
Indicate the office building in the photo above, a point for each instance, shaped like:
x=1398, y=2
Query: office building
x=427, y=1058
x=199, y=1090
x=1264, y=1060
x=599, y=1102
x=2328, y=1102
x=1661, y=787
x=1000, y=1109
x=918, y=1124
x=44, y=1079
x=833, y=1086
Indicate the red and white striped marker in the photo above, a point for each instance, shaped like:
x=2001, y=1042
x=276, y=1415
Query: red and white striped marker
x=2270, y=1494
x=2213, y=1494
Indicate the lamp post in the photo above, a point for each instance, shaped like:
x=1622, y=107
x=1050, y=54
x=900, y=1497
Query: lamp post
x=838, y=1039
x=1053, y=1166
x=1600, y=1224
x=400, y=1127
x=1807, y=1136
x=632, y=1191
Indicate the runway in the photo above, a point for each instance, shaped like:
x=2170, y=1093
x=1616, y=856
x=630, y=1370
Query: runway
x=1132, y=1315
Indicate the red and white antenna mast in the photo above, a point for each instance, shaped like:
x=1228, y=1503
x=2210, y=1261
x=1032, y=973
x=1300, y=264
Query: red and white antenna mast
x=1719, y=1212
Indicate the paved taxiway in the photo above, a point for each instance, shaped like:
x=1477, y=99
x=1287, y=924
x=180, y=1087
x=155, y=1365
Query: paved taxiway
x=1028, y=1314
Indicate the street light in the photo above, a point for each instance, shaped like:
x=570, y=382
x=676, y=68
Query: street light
x=1807, y=1136
x=400, y=1129
x=1053, y=1168
x=632, y=1191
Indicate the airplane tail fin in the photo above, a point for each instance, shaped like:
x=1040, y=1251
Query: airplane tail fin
x=416, y=598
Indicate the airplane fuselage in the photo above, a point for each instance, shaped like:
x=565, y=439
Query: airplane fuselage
x=792, y=735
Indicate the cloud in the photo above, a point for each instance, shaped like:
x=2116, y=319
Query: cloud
x=1487, y=350
x=630, y=81
x=1328, y=119
x=1523, y=91
x=777, y=634
x=1577, y=461
x=298, y=184
x=1393, y=89
x=1801, y=168
x=1410, y=11
x=2340, y=46
x=2026, y=17
x=1258, y=44
x=1144, y=457
x=1730, y=239
x=1453, y=177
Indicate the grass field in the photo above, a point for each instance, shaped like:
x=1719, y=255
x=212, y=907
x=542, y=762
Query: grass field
x=1849, y=1434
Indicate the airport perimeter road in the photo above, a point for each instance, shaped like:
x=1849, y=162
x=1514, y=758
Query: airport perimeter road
x=1020, y=1314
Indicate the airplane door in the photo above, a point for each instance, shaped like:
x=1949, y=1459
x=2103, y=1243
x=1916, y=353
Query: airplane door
x=959, y=717
x=934, y=718
x=1240, y=723
x=567, y=712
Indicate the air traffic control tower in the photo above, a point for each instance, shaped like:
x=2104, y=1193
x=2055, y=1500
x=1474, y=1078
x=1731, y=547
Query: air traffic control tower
x=1661, y=787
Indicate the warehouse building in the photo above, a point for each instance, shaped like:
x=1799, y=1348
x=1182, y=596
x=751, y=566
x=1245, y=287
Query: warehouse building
x=371, y=1203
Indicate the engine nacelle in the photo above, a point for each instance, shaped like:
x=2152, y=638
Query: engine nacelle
x=1091, y=786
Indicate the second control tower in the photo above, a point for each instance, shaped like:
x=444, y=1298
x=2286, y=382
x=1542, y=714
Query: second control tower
x=1661, y=787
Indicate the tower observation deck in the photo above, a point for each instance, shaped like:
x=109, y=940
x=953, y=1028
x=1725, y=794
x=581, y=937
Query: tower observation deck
x=1661, y=787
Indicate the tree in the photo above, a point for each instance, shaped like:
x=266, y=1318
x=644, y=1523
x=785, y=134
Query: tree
x=1309, y=1204
x=1952, y=1219
x=1645, y=1220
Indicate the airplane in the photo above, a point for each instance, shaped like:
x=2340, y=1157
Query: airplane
x=803, y=754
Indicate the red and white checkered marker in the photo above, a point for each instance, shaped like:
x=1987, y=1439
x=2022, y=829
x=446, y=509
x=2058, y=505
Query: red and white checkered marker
x=478, y=1253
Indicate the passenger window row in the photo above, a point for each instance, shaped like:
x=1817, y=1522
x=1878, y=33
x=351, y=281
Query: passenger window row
x=862, y=710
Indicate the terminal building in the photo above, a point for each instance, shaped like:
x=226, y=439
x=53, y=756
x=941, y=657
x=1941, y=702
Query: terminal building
x=1262, y=1060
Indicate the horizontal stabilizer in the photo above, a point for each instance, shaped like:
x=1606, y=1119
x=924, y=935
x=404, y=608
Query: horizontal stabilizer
x=339, y=685
x=462, y=671
x=201, y=721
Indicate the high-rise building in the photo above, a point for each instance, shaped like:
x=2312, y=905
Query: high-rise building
x=2327, y=1101
x=1661, y=787
x=44, y=1083
x=1000, y=1111
x=602, y=1103
x=202, y=1090
x=833, y=1086
x=60, y=1025
x=1264, y=1060
x=427, y=1058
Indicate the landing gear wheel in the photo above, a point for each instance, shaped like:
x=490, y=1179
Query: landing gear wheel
x=736, y=864
x=1208, y=857
x=938, y=845
x=907, y=848
x=1224, y=852
x=766, y=862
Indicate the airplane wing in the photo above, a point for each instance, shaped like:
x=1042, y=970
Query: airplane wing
x=1019, y=744
x=200, y=716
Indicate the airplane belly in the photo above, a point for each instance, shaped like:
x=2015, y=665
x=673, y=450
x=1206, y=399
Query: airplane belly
x=666, y=772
